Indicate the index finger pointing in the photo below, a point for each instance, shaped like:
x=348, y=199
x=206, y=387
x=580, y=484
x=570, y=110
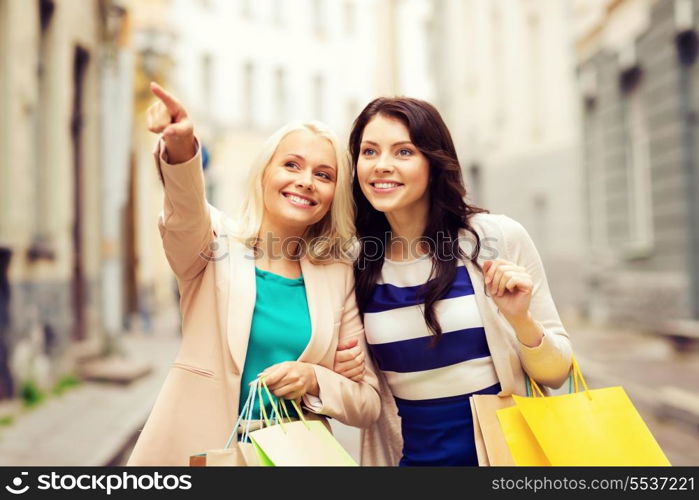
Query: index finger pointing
x=172, y=104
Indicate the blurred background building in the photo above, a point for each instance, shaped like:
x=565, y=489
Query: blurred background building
x=246, y=68
x=637, y=72
x=82, y=260
x=575, y=117
x=503, y=73
x=51, y=62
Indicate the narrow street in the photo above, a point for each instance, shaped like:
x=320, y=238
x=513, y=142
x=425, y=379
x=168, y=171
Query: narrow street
x=96, y=424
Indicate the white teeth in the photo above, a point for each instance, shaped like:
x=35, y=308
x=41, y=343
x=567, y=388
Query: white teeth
x=296, y=199
x=385, y=185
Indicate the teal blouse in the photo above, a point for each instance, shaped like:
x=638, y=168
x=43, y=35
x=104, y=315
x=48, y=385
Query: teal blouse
x=280, y=329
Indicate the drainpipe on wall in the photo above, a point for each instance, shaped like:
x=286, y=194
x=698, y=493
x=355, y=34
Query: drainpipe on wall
x=686, y=43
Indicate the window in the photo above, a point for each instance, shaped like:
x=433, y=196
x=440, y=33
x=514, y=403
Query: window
x=540, y=209
x=594, y=165
x=474, y=191
x=211, y=191
x=317, y=12
x=536, y=82
x=596, y=178
x=280, y=94
x=42, y=128
x=637, y=168
x=318, y=97
x=277, y=12
x=352, y=109
x=207, y=80
x=498, y=54
x=349, y=8
x=248, y=93
x=245, y=9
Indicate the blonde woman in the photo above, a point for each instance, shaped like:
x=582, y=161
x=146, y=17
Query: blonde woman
x=264, y=293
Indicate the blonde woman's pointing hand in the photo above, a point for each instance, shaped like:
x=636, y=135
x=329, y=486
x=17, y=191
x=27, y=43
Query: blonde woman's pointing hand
x=168, y=117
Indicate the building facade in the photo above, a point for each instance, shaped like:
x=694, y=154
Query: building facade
x=268, y=62
x=50, y=157
x=637, y=81
x=504, y=79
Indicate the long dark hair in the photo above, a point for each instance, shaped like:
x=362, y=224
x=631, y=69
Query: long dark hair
x=448, y=211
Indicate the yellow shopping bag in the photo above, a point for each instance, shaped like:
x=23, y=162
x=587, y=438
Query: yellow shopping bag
x=524, y=447
x=507, y=438
x=590, y=427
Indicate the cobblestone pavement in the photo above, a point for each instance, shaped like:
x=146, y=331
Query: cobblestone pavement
x=663, y=384
x=90, y=424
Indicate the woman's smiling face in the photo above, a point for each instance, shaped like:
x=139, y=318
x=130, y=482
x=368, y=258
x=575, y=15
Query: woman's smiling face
x=299, y=182
x=392, y=173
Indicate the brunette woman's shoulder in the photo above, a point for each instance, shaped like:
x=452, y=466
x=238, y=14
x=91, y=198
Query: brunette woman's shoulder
x=504, y=232
x=489, y=221
x=486, y=223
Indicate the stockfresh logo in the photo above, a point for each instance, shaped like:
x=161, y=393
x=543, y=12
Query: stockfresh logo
x=18, y=487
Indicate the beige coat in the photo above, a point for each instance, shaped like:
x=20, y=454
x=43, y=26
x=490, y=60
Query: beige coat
x=198, y=403
x=549, y=363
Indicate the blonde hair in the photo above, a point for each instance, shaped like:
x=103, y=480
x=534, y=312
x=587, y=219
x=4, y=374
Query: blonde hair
x=325, y=241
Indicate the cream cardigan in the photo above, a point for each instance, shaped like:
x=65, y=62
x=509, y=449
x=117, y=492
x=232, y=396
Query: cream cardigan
x=549, y=363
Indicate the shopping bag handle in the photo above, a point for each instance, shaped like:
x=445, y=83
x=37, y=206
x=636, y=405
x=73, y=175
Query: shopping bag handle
x=298, y=411
x=245, y=437
x=246, y=411
x=579, y=376
x=528, y=381
x=247, y=408
x=263, y=411
x=574, y=377
x=282, y=403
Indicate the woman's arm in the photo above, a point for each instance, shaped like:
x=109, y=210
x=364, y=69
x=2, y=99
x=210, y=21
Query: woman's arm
x=185, y=222
x=349, y=360
x=326, y=392
x=520, y=289
x=350, y=402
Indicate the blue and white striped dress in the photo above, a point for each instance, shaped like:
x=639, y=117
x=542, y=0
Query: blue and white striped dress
x=431, y=384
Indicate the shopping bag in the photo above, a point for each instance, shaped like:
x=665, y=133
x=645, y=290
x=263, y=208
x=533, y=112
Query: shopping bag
x=234, y=453
x=491, y=446
x=524, y=449
x=481, y=452
x=299, y=443
x=587, y=427
x=216, y=458
x=302, y=442
x=249, y=454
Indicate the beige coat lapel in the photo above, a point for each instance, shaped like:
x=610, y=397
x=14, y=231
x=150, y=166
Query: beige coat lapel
x=237, y=305
x=220, y=258
x=240, y=305
x=320, y=310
